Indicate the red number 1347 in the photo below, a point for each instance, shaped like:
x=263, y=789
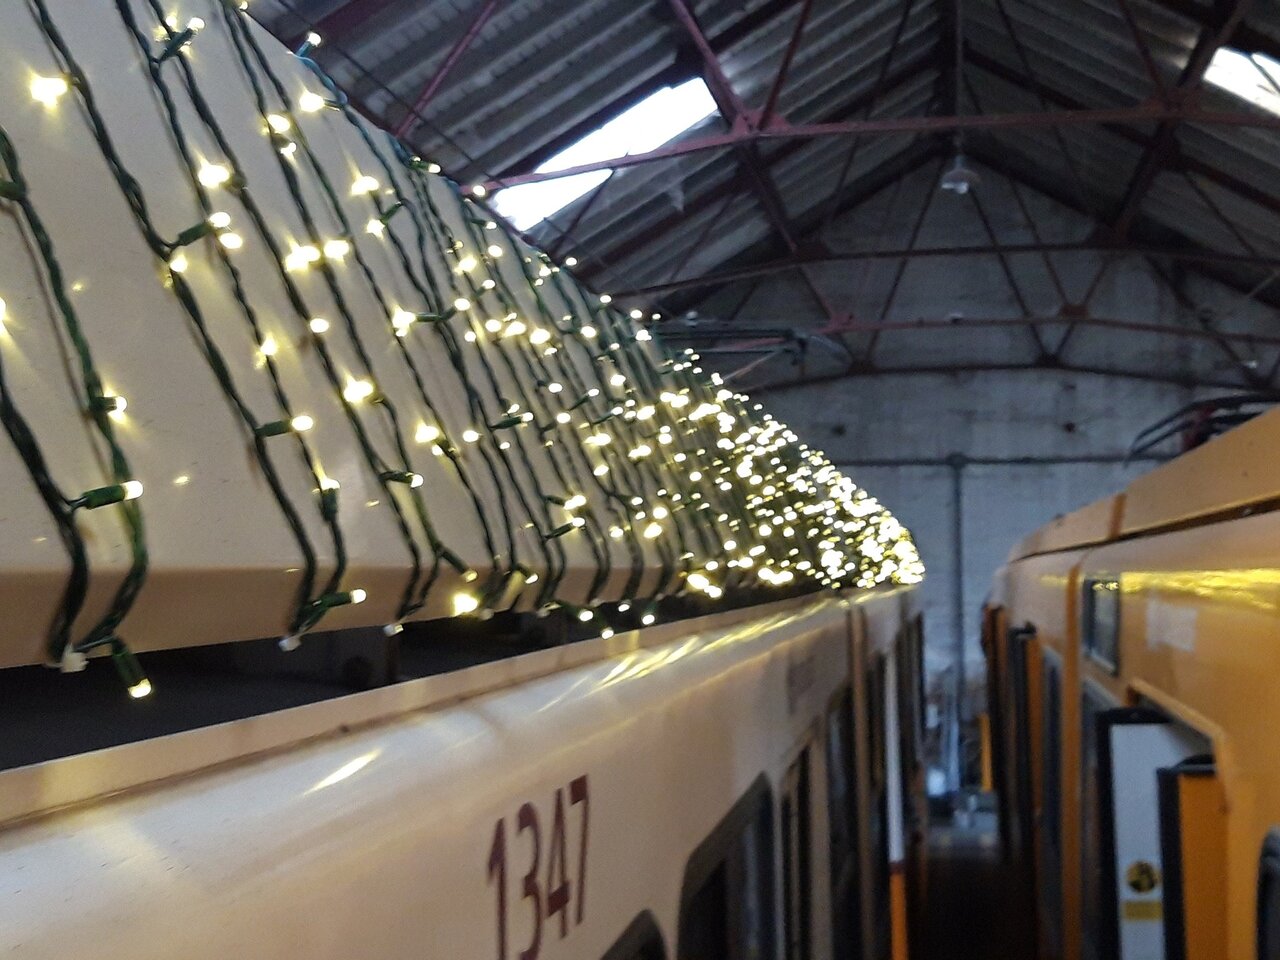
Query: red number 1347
x=549, y=895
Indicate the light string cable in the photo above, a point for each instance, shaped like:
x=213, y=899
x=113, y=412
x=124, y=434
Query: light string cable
x=433, y=238
x=537, y=507
x=538, y=365
x=622, y=345
x=246, y=42
x=388, y=476
x=165, y=251
x=656, y=467
x=327, y=494
x=97, y=405
x=606, y=415
x=309, y=607
x=14, y=188
x=508, y=339
x=598, y=405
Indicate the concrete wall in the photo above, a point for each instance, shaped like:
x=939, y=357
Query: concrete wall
x=973, y=461
x=1022, y=446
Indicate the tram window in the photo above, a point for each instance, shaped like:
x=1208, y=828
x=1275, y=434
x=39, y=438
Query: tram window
x=1269, y=898
x=796, y=866
x=842, y=808
x=1101, y=618
x=726, y=908
x=642, y=940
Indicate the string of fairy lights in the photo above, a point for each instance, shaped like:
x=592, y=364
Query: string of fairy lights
x=480, y=363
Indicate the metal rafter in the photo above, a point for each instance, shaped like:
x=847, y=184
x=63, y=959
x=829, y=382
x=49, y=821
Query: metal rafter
x=771, y=101
x=1136, y=115
x=432, y=86
x=732, y=186
x=1167, y=252
x=741, y=119
x=1212, y=38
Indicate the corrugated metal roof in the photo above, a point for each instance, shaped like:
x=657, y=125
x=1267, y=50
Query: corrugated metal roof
x=538, y=74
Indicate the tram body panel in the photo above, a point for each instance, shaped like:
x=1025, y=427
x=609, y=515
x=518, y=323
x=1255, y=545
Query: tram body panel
x=391, y=841
x=1194, y=610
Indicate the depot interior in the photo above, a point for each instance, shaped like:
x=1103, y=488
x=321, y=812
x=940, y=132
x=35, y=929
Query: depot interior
x=864, y=214
x=995, y=257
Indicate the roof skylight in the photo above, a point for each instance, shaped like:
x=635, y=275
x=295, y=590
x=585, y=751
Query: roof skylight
x=655, y=120
x=1252, y=77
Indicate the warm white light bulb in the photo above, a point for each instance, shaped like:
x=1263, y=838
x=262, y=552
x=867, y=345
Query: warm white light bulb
x=278, y=123
x=336, y=249
x=213, y=174
x=357, y=390
x=589, y=331
x=468, y=263
x=269, y=347
x=605, y=298
x=427, y=433
x=47, y=90
x=470, y=436
x=179, y=263
x=358, y=595
x=132, y=489
x=220, y=220
x=462, y=304
x=363, y=184
x=310, y=102
x=464, y=603
x=302, y=423
x=570, y=261
x=231, y=241
x=375, y=227
x=319, y=325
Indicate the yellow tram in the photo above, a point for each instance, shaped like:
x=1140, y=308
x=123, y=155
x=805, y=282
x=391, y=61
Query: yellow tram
x=1132, y=654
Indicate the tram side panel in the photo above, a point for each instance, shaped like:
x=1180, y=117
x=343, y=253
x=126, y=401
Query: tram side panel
x=543, y=821
x=1193, y=643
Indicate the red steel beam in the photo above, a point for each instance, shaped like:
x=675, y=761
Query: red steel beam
x=1135, y=115
x=779, y=81
x=1128, y=326
x=432, y=86
x=1212, y=38
x=721, y=89
x=740, y=119
x=1187, y=254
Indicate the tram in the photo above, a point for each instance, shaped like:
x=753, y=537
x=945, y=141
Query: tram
x=1132, y=658
x=740, y=785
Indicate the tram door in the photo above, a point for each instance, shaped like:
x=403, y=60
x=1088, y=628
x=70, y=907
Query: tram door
x=1193, y=840
x=1134, y=746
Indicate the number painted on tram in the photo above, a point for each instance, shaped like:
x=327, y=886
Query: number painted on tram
x=547, y=890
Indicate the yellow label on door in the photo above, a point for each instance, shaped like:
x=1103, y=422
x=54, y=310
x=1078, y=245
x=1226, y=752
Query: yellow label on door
x=1143, y=909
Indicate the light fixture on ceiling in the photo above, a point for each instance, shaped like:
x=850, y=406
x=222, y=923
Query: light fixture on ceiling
x=960, y=179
